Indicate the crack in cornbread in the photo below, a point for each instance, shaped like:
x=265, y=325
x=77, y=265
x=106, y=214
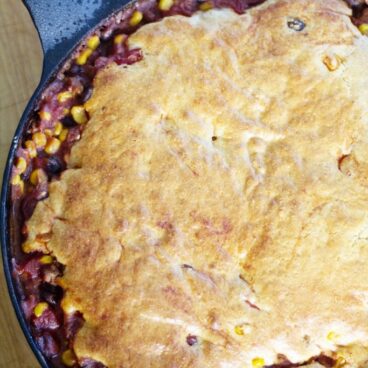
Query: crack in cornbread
x=214, y=212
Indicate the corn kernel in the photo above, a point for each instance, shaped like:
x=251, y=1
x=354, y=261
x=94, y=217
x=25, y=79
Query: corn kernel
x=165, y=5
x=58, y=128
x=39, y=139
x=206, y=6
x=93, y=42
x=136, y=18
x=64, y=96
x=52, y=146
x=258, y=362
x=45, y=115
x=119, y=39
x=48, y=133
x=79, y=114
x=63, y=135
x=28, y=247
x=239, y=330
x=38, y=176
x=31, y=246
x=39, y=309
x=68, y=358
x=83, y=57
x=66, y=111
x=331, y=62
x=16, y=180
x=31, y=148
x=45, y=260
x=340, y=361
x=332, y=336
x=68, y=307
x=363, y=28
x=21, y=165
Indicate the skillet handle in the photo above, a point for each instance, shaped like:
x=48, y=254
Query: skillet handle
x=62, y=23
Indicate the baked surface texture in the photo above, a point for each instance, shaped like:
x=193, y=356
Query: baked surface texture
x=221, y=182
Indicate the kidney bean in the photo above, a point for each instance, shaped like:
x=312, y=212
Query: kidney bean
x=72, y=324
x=47, y=321
x=89, y=363
x=52, y=294
x=48, y=344
x=54, y=165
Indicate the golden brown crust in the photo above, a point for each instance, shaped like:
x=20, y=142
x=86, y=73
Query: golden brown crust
x=221, y=151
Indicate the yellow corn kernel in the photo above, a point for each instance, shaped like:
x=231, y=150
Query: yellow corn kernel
x=39, y=139
x=40, y=308
x=66, y=111
x=332, y=336
x=136, y=18
x=363, y=28
x=31, y=148
x=48, y=133
x=45, y=260
x=63, y=135
x=31, y=246
x=16, y=180
x=332, y=62
x=64, y=96
x=258, y=362
x=68, y=307
x=45, y=115
x=93, y=42
x=165, y=5
x=68, y=358
x=206, y=6
x=239, y=330
x=119, y=39
x=340, y=361
x=21, y=165
x=58, y=128
x=52, y=146
x=38, y=176
x=83, y=57
x=28, y=247
x=79, y=114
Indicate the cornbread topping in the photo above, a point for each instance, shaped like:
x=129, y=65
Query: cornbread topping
x=213, y=212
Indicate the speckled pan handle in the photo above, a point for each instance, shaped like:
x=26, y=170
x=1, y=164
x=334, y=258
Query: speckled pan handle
x=62, y=23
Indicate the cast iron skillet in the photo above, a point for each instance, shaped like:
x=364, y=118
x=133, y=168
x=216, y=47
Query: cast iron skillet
x=61, y=25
